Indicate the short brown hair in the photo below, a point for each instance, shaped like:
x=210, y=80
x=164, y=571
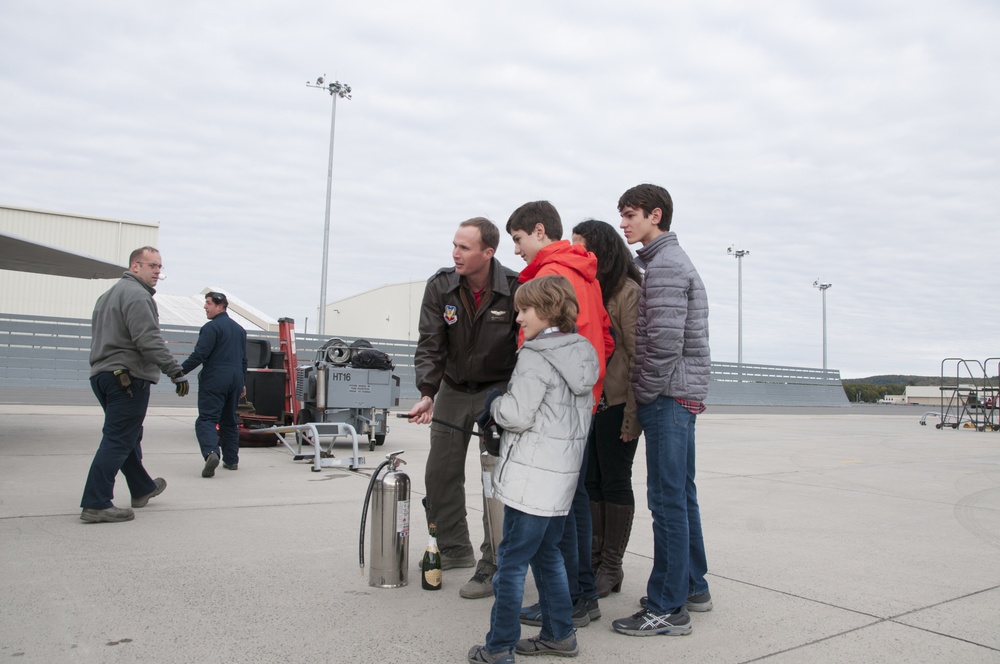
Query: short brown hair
x=553, y=298
x=648, y=197
x=489, y=234
x=136, y=255
x=529, y=215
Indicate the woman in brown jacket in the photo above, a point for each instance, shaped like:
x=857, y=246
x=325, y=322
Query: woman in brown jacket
x=615, y=433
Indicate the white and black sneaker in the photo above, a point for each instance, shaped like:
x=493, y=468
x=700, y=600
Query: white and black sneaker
x=650, y=623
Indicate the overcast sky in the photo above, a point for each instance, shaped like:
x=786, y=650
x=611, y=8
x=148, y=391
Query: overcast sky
x=852, y=142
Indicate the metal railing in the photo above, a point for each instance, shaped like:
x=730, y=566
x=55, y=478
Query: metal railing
x=49, y=352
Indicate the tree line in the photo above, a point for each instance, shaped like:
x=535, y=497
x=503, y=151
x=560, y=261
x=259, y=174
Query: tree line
x=874, y=388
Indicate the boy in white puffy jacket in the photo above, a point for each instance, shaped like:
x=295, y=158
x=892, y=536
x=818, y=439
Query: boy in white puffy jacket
x=545, y=416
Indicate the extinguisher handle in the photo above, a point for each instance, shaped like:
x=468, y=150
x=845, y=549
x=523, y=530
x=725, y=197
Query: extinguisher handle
x=394, y=459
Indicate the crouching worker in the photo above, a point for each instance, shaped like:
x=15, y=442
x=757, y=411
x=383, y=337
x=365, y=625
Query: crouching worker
x=545, y=416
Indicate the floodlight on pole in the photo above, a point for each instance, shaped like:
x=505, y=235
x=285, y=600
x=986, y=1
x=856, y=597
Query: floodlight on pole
x=343, y=91
x=822, y=289
x=738, y=254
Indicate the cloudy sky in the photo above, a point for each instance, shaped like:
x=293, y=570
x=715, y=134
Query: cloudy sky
x=852, y=142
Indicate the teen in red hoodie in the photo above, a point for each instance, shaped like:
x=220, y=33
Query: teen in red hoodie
x=537, y=233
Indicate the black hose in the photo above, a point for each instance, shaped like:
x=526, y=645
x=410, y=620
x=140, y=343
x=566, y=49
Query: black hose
x=364, y=513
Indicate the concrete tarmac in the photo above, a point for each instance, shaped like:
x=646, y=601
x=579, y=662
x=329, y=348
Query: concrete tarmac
x=841, y=535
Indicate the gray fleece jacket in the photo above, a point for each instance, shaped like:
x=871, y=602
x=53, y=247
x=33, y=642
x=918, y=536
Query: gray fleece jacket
x=126, y=333
x=672, y=357
x=546, y=416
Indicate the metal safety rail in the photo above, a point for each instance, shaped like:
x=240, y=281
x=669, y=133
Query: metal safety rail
x=310, y=433
x=971, y=402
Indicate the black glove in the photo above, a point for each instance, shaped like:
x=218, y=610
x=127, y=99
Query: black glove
x=491, y=437
x=181, y=382
x=485, y=416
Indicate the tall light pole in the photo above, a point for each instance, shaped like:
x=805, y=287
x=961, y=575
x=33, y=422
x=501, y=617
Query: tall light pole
x=342, y=90
x=822, y=289
x=738, y=254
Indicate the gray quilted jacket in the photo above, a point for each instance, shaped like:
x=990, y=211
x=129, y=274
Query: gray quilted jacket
x=546, y=416
x=671, y=342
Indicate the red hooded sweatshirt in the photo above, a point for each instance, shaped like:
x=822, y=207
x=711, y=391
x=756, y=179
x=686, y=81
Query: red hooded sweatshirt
x=580, y=267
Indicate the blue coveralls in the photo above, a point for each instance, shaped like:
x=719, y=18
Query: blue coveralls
x=222, y=352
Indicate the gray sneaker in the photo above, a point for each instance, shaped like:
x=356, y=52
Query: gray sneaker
x=701, y=602
x=108, y=515
x=480, y=655
x=481, y=583
x=141, y=501
x=650, y=623
x=230, y=466
x=211, y=463
x=454, y=563
x=536, y=645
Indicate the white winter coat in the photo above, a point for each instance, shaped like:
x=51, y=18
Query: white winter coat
x=546, y=416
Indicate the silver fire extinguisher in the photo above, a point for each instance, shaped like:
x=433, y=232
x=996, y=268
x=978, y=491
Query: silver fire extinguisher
x=389, y=496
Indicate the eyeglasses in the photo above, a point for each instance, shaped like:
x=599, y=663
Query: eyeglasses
x=155, y=266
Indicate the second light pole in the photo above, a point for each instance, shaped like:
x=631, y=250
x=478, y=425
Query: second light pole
x=342, y=90
x=822, y=289
x=738, y=254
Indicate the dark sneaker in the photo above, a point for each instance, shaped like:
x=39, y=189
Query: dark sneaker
x=479, y=655
x=141, y=501
x=481, y=583
x=230, y=466
x=700, y=602
x=536, y=645
x=591, y=606
x=581, y=616
x=107, y=515
x=648, y=623
x=584, y=611
x=211, y=463
x=531, y=615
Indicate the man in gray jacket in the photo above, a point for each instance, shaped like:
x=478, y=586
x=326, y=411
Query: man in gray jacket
x=126, y=356
x=670, y=381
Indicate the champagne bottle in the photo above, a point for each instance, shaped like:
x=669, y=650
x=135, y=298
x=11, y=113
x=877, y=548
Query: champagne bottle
x=430, y=567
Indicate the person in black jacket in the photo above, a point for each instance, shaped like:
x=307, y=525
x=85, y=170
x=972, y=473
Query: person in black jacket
x=222, y=352
x=467, y=346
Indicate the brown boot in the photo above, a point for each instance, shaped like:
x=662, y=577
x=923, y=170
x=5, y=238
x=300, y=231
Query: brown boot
x=597, y=519
x=617, y=528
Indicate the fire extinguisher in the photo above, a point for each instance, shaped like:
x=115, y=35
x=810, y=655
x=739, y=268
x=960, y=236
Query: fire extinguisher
x=389, y=494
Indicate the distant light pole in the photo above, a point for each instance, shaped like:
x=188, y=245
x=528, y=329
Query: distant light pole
x=738, y=254
x=822, y=289
x=342, y=90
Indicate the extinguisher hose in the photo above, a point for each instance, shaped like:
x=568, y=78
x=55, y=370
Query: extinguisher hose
x=364, y=514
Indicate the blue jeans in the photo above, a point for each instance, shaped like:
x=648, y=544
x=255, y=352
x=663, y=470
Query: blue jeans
x=679, y=564
x=576, y=545
x=529, y=539
x=120, y=447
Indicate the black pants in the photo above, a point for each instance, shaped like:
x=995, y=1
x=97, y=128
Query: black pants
x=609, y=459
x=120, y=447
